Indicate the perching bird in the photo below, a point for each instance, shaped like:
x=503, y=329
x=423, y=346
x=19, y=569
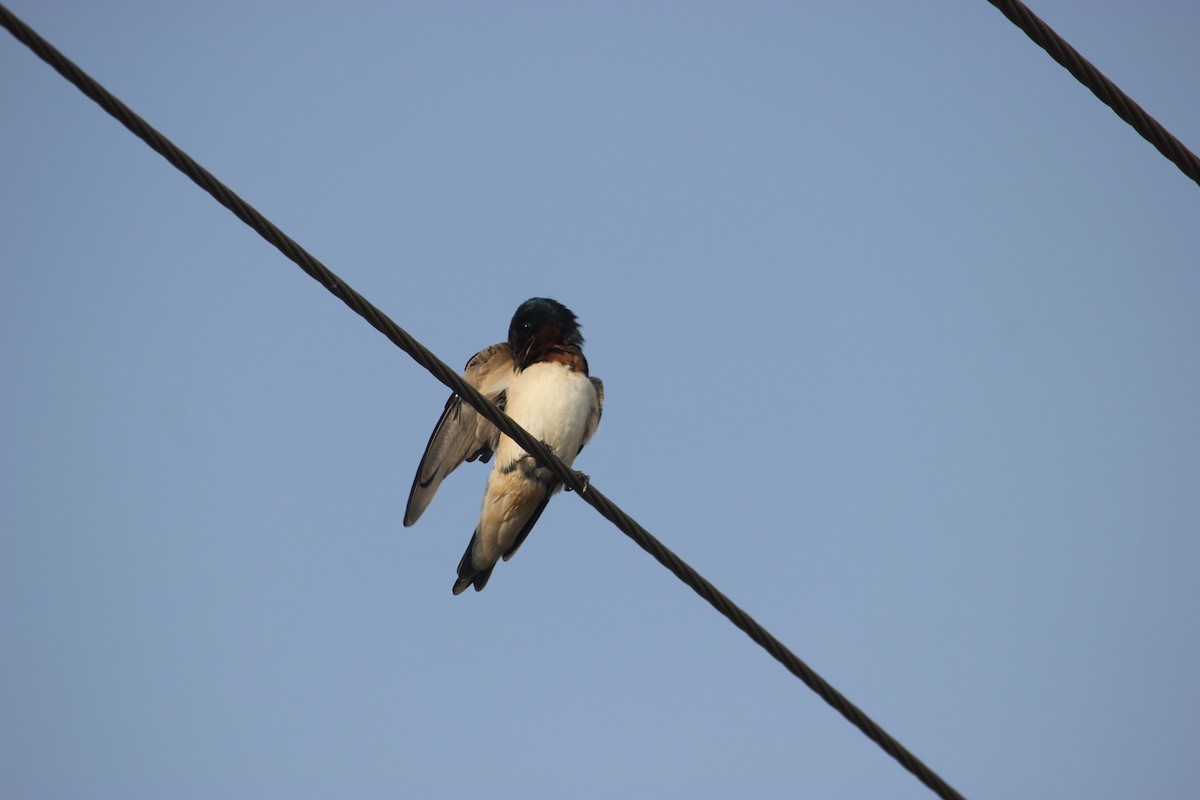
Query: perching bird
x=539, y=377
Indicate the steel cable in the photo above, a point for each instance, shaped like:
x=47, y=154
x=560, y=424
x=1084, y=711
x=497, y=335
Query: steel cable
x=1108, y=92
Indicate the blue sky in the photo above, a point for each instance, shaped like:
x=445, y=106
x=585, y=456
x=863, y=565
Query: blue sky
x=898, y=330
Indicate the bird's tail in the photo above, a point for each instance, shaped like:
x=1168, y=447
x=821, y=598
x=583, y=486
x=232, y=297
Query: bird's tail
x=468, y=573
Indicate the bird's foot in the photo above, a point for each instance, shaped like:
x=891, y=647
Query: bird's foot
x=583, y=478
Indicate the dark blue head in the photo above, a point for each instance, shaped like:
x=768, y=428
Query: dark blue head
x=541, y=324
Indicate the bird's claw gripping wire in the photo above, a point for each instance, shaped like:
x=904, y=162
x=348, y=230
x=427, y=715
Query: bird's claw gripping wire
x=584, y=479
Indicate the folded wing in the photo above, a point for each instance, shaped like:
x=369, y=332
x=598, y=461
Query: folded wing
x=462, y=434
x=594, y=418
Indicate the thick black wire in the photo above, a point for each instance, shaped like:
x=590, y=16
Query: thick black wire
x=1108, y=92
x=451, y=379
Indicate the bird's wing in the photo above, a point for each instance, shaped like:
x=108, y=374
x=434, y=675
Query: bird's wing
x=593, y=420
x=462, y=434
x=548, y=492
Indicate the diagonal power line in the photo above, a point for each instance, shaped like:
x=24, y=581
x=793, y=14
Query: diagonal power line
x=401, y=338
x=1109, y=93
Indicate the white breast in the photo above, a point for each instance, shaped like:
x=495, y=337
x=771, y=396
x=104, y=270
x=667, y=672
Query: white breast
x=553, y=403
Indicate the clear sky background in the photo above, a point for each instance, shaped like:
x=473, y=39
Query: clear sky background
x=898, y=325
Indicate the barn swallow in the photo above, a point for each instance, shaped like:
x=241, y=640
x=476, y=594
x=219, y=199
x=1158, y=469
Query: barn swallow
x=539, y=377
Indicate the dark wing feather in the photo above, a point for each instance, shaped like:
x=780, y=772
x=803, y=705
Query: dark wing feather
x=533, y=518
x=594, y=419
x=462, y=434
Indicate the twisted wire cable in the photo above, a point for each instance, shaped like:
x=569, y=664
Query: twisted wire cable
x=1108, y=92
x=381, y=322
